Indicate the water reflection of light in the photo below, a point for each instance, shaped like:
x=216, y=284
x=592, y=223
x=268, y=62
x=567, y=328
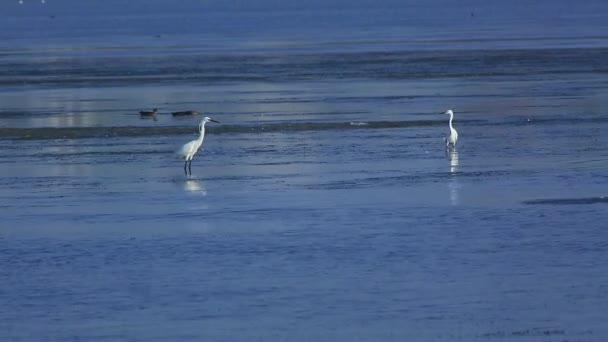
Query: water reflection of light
x=195, y=186
x=72, y=170
x=67, y=107
x=454, y=188
x=453, y=156
x=454, y=185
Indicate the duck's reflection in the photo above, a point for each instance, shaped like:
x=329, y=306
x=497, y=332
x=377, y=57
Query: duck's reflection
x=149, y=117
x=454, y=185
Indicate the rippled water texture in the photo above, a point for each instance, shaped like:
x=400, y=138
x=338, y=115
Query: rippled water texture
x=325, y=206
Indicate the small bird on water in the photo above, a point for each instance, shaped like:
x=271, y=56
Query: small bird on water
x=185, y=113
x=188, y=151
x=148, y=112
x=450, y=141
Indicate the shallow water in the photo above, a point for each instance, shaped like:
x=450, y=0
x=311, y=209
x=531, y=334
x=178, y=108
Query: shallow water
x=324, y=207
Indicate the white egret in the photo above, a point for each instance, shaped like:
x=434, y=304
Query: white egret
x=451, y=140
x=188, y=151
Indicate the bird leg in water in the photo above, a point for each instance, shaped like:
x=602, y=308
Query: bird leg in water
x=185, y=171
x=190, y=167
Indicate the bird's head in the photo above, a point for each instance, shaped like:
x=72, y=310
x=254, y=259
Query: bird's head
x=449, y=112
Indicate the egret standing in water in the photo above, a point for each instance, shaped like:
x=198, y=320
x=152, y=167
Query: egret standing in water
x=450, y=141
x=188, y=151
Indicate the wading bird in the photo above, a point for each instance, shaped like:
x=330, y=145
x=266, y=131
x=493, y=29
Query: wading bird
x=450, y=141
x=188, y=151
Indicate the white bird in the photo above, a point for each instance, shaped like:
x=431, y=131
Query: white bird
x=188, y=151
x=451, y=140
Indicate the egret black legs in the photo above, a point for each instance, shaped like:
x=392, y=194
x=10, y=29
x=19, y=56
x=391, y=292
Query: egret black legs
x=188, y=167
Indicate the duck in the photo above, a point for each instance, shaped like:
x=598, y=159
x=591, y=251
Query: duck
x=148, y=112
x=186, y=113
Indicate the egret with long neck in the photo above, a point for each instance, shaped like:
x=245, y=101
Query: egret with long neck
x=450, y=141
x=188, y=151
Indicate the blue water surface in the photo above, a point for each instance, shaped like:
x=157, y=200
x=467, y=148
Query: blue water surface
x=325, y=206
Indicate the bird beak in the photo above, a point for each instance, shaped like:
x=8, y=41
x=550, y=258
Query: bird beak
x=214, y=121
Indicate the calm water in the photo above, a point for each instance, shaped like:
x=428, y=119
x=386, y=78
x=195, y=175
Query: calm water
x=324, y=207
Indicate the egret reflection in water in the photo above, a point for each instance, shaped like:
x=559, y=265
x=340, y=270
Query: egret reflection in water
x=195, y=186
x=453, y=185
x=453, y=157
